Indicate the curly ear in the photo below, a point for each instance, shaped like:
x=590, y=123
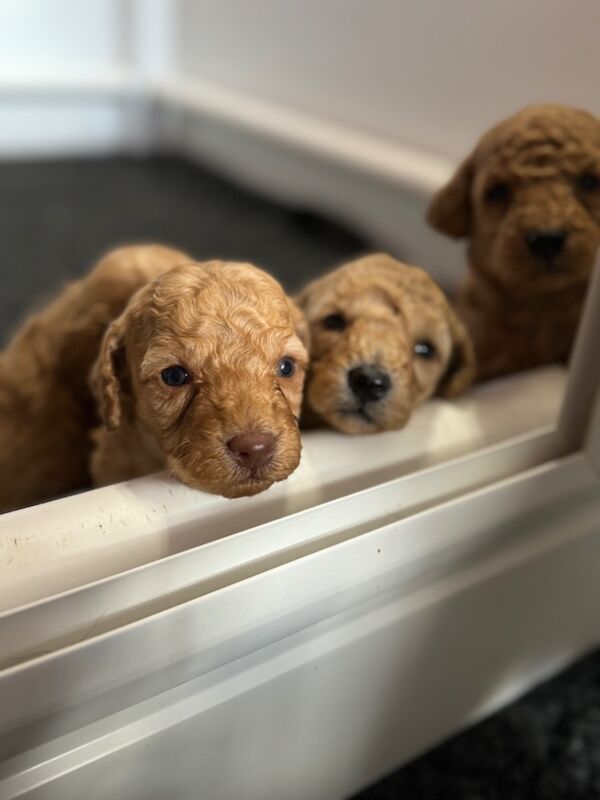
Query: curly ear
x=108, y=373
x=450, y=209
x=460, y=372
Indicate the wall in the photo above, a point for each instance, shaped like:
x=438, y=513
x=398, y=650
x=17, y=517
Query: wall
x=356, y=109
x=72, y=74
x=427, y=73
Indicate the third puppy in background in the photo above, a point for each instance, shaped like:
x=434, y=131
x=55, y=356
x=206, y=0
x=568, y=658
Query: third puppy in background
x=528, y=201
x=383, y=340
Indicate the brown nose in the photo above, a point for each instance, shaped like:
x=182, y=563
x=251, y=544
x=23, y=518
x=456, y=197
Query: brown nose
x=252, y=450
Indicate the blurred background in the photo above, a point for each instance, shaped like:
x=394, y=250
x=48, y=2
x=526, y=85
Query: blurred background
x=293, y=134
x=288, y=133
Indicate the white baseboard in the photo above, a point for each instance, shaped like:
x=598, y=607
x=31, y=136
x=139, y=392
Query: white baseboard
x=379, y=187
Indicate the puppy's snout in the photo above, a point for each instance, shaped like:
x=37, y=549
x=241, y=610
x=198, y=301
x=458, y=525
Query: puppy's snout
x=546, y=244
x=369, y=382
x=252, y=450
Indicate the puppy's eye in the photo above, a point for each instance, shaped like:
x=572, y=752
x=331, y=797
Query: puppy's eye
x=588, y=182
x=425, y=350
x=175, y=375
x=286, y=367
x=497, y=193
x=335, y=322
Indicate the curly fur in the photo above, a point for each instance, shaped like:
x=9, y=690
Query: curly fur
x=228, y=324
x=388, y=307
x=46, y=407
x=523, y=312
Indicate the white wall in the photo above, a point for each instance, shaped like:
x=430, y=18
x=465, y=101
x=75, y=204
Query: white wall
x=430, y=73
x=37, y=36
x=359, y=108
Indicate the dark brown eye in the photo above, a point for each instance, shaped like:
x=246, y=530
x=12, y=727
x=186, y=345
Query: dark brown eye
x=175, y=375
x=497, y=193
x=286, y=367
x=588, y=182
x=425, y=350
x=335, y=322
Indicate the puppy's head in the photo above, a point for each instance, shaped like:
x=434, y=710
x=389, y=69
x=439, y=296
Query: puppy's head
x=208, y=362
x=383, y=339
x=528, y=199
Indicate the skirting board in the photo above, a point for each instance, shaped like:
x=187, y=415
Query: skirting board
x=378, y=186
x=340, y=689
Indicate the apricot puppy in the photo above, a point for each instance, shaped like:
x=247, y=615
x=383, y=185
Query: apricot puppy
x=528, y=201
x=383, y=340
x=46, y=407
x=203, y=373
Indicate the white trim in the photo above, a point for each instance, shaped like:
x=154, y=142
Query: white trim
x=461, y=572
x=54, y=619
x=584, y=369
x=383, y=159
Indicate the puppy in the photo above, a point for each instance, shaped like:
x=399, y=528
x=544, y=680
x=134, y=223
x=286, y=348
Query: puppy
x=383, y=340
x=528, y=201
x=203, y=374
x=46, y=407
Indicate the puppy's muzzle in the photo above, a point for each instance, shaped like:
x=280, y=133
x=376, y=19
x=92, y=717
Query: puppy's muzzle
x=369, y=383
x=252, y=450
x=546, y=245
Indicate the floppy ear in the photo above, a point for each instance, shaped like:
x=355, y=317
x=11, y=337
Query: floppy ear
x=301, y=325
x=460, y=371
x=108, y=373
x=450, y=210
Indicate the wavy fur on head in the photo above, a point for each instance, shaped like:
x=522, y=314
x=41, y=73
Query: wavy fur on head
x=537, y=172
x=228, y=325
x=373, y=312
x=46, y=407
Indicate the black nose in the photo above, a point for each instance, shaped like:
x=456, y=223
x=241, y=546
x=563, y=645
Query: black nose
x=546, y=244
x=369, y=382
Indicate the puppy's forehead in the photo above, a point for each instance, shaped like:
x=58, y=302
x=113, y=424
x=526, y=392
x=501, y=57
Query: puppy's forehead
x=225, y=293
x=372, y=283
x=543, y=138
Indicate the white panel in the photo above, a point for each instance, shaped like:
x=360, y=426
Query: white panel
x=429, y=73
x=369, y=679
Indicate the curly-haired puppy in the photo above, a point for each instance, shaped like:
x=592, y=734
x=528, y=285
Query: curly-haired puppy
x=203, y=373
x=383, y=340
x=528, y=200
x=46, y=407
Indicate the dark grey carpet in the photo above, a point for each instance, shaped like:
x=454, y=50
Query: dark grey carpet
x=56, y=218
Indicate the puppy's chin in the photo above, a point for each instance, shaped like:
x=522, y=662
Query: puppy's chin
x=517, y=269
x=374, y=418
